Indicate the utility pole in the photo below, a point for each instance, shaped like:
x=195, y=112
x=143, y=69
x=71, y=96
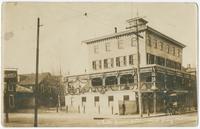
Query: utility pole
x=136, y=25
x=36, y=76
x=138, y=72
x=6, y=102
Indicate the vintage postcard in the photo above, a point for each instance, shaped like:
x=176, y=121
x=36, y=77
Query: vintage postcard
x=96, y=64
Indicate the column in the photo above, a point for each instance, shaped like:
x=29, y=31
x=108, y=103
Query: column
x=103, y=80
x=154, y=102
x=153, y=75
x=89, y=82
x=165, y=79
x=118, y=82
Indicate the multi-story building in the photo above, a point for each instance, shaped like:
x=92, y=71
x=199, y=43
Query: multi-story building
x=111, y=84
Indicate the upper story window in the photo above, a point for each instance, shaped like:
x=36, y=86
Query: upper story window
x=94, y=65
x=98, y=64
x=179, y=53
x=133, y=41
x=149, y=41
x=107, y=45
x=105, y=63
x=161, y=46
x=120, y=44
x=117, y=62
x=111, y=63
x=173, y=50
x=167, y=48
x=155, y=43
x=96, y=49
x=124, y=60
x=121, y=61
x=132, y=59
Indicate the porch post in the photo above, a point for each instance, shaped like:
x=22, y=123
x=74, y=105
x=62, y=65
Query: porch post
x=154, y=88
x=104, y=80
x=118, y=80
x=154, y=102
x=89, y=82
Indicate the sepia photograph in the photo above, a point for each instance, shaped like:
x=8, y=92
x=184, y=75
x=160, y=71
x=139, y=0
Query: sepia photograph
x=99, y=64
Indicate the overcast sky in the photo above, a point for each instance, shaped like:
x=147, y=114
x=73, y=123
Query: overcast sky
x=65, y=26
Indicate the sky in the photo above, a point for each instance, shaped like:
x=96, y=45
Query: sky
x=64, y=26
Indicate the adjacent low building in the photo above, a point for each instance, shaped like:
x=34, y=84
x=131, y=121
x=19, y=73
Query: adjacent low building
x=111, y=86
x=50, y=90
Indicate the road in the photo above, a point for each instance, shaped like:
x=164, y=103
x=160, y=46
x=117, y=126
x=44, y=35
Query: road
x=71, y=120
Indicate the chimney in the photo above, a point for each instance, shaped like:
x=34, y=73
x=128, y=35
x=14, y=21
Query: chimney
x=115, y=29
x=188, y=66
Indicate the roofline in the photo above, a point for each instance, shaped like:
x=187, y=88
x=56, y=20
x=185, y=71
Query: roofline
x=166, y=37
x=126, y=32
x=130, y=32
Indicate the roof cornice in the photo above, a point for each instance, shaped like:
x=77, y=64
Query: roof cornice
x=166, y=37
x=128, y=32
x=110, y=36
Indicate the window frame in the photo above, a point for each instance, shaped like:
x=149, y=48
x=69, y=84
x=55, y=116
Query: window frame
x=120, y=43
x=107, y=46
x=96, y=48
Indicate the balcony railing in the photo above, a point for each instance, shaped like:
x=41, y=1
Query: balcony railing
x=145, y=86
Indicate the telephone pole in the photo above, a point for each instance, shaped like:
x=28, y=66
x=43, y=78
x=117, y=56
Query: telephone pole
x=36, y=75
x=134, y=24
x=138, y=72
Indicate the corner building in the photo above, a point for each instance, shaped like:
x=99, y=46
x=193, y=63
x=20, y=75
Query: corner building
x=112, y=79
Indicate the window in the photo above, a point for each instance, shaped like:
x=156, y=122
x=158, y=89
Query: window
x=99, y=64
x=167, y=48
x=111, y=63
x=121, y=59
x=94, y=65
x=179, y=53
x=105, y=63
x=133, y=41
x=120, y=44
x=126, y=98
x=83, y=100
x=150, y=59
x=96, y=99
x=124, y=61
x=161, y=46
x=149, y=40
x=107, y=47
x=110, y=99
x=96, y=49
x=155, y=43
x=130, y=59
x=160, y=61
x=173, y=50
x=117, y=62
